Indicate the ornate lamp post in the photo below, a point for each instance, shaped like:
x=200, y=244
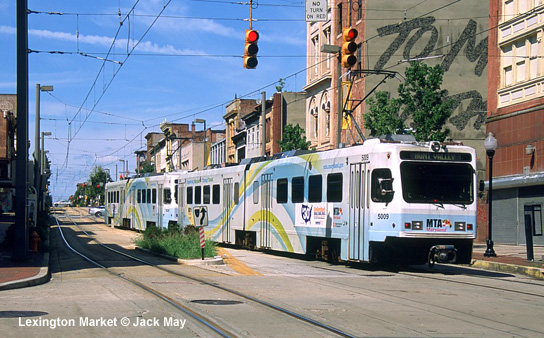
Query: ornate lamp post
x=490, y=144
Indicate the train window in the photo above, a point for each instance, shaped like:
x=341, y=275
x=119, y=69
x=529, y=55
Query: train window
x=189, y=195
x=154, y=194
x=198, y=195
x=334, y=187
x=167, y=198
x=297, y=189
x=255, y=192
x=382, y=186
x=315, y=188
x=176, y=193
x=216, y=193
x=117, y=196
x=236, y=193
x=139, y=194
x=149, y=196
x=281, y=191
x=144, y=196
x=206, y=190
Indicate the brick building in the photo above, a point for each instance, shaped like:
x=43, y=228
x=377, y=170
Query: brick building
x=8, y=108
x=516, y=117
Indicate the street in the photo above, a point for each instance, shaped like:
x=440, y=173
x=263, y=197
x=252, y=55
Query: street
x=356, y=300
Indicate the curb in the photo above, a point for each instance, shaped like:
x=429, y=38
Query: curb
x=217, y=260
x=42, y=277
x=537, y=273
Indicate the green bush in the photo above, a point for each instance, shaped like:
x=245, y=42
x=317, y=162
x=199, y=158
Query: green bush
x=174, y=242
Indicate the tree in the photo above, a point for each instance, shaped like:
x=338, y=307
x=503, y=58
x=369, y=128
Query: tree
x=92, y=191
x=146, y=167
x=293, y=138
x=383, y=117
x=424, y=100
x=421, y=99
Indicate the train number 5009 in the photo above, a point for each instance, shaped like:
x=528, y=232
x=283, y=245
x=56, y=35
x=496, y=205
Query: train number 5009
x=383, y=216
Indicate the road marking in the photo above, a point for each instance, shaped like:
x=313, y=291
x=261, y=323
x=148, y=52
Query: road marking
x=236, y=265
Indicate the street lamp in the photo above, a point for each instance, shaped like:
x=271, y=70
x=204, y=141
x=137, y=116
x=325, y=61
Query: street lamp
x=490, y=144
x=37, y=153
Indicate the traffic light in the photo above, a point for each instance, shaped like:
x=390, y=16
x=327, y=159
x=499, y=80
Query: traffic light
x=349, y=47
x=251, y=49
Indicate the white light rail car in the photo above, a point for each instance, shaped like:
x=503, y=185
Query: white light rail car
x=383, y=201
x=137, y=203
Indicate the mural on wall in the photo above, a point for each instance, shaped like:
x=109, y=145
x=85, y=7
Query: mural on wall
x=466, y=46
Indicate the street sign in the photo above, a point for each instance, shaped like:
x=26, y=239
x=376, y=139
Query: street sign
x=316, y=10
x=200, y=216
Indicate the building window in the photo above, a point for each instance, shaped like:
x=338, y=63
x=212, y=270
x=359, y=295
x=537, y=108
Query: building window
x=339, y=16
x=315, y=54
x=520, y=61
x=327, y=39
x=315, y=116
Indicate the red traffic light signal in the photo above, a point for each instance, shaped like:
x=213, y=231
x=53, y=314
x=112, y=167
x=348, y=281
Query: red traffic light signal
x=251, y=49
x=349, y=47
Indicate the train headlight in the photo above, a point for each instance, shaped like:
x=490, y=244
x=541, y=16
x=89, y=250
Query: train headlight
x=435, y=146
x=417, y=225
x=460, y=226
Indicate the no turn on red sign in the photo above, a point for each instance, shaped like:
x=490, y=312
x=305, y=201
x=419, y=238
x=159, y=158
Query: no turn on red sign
x=316, y=10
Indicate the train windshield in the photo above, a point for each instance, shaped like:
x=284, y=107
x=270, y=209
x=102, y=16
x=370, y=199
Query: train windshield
x=431, y=182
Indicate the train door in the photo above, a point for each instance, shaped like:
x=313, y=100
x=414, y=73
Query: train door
x=227, y=203
x=266, y=205
x=357, y=215
x=122, y=212
x=181, y=204
x=158, y=206
x=132, y=201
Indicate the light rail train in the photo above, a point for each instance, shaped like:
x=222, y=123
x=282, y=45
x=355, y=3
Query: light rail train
x=385, y=200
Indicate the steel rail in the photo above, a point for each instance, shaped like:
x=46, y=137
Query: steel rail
x=231, y=291
x=191, y=313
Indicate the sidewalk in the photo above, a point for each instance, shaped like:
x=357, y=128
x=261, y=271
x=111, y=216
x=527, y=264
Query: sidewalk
x=510, y=259
x=13, y=275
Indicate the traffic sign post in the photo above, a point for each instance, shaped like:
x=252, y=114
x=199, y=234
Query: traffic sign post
x=316, y=10
x=202, y=240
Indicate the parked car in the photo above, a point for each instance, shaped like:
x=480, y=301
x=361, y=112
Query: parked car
x=97, y=211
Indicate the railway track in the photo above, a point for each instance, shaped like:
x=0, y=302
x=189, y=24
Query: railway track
x=214, y=326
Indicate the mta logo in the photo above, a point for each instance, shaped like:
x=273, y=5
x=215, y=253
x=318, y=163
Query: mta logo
x=306, y=213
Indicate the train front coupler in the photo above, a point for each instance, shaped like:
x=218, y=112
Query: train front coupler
x=442, y=254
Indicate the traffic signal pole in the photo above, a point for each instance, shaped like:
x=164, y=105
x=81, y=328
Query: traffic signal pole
x=21, y=231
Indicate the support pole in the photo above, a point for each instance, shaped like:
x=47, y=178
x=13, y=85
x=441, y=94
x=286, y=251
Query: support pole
x=263, y=119
x=340, y=107
x=21, y=231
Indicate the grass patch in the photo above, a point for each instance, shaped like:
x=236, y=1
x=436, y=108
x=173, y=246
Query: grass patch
x=175, y=242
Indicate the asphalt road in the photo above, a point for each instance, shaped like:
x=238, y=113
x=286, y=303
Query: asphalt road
x=360, y=300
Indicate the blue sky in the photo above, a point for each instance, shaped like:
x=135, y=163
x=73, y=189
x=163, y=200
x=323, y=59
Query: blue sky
x=187, y=66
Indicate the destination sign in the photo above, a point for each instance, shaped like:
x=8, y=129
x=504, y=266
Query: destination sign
x=428, y=156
